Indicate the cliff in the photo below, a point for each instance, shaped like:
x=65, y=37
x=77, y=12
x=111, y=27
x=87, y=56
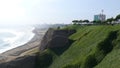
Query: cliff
x=75, y=47
x=21, y=62
x=56, y=39
x=53, y=39
x=53, y=44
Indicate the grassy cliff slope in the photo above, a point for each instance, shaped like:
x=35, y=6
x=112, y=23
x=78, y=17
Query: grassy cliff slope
x=93, y=47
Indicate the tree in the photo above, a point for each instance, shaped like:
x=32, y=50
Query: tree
x=94, y=21
x=86, y=21
x=117, y=17
x=97, y=22
x=110, y=20
x=80, y=21
x=75, y=22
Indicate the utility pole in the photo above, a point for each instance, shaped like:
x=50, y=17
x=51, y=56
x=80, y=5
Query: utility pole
x=102, y=11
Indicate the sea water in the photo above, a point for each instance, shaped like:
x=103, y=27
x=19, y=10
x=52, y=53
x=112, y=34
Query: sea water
x=14, y=36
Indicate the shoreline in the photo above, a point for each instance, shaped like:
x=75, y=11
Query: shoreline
x=33, y=43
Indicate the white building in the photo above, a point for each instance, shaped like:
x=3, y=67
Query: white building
x=100, y=17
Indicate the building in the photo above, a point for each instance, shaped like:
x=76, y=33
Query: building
x=100, y=17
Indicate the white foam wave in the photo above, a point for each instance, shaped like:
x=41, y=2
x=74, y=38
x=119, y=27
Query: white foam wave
x=21, y=37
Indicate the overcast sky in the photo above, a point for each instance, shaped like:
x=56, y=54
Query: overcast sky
x=54, y=11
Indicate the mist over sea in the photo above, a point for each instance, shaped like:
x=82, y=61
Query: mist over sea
x=14, y=36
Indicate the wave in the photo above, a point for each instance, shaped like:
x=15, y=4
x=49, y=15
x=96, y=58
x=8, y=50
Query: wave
x=15, y=37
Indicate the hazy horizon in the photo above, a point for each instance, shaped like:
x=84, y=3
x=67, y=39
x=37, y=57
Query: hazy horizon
x=53, y=11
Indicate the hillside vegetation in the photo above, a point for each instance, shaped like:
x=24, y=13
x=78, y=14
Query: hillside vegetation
x=93, y=47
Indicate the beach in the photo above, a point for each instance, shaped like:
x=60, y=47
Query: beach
x=21, y=50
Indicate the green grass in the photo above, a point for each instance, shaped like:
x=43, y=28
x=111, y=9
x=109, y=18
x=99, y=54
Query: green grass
x=112, y=60
x=84, y=51
x=93, y=46
x=45, y=58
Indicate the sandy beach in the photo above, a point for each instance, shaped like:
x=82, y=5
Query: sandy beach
x=21, y=50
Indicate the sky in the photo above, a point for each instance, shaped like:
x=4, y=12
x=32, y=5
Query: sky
x=54, y=11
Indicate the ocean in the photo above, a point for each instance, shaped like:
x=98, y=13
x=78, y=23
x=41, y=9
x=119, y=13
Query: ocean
x=14, y=36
